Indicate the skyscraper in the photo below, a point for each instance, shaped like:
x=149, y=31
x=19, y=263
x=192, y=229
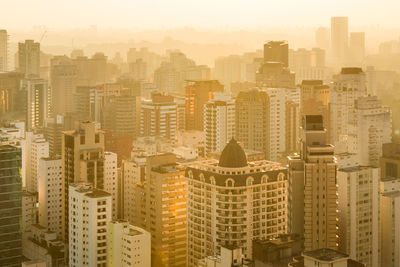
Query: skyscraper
x=10, y=210
x=277, y=51
x=63, y=77
x=158, y=117
x=50, y=193
x=197, y=94
x=320, y=206
x=29, y=58
x=111, y=180
x=346, y=87
x=232, y=201
x=339, y=38
x=38, y=105
x=358, y=205
x=89, y=215
x=219, y=121
x=158, y=202
x=322, y=37
x=370, y=126
x=3, y=50
x=82, y=160
x=252, y=120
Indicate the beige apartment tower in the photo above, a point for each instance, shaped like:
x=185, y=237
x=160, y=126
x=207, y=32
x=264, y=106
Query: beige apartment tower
x=320, y=190
x=82, y=161
x=232, y=201
x=158, y=204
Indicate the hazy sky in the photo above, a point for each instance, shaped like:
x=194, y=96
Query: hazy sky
x=151, y=14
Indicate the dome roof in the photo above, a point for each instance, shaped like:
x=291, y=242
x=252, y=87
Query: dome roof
x=233, y=156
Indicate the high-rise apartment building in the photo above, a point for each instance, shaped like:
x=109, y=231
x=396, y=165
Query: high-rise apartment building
x=53, y=132
x=389, y=220
x=29, y=58
x=38, y=102
x=36, y=148
x=346, y=87
x=320, y=198
x=82, y=160
x=3, y=50
x=10, y=210
x=232, y=201
x=63, y=77
x=219, y=121
x=111, y=180
x=370, y=126
x=263, y=117
x=128, y=245
x=89, y=215
x=275, y=74
x=358, y=205
x=160, y=208
x=158, y=117
x=252, y=120
x=277, y=51
x=50, y=193
x=91, y=71
x=198, y=93
x=390, y=205
x=339, y=38
x=12, y=101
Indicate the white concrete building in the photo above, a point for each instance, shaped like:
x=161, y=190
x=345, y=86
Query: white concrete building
x=128, y=245
x=324, y=257
x=219, y=121
x=370, y=126
x=50, y=193
x=89, y=214
x=358, y=202
x=37, y=148
x=133, y=172
x=111, y=180
x=346, y=87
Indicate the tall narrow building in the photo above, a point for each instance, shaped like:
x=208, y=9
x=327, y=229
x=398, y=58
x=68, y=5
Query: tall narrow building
x=29, y=58
x=50, y=193
x=38, y=105
x=89, y=215
x=63, y=76
x=11, y=207
x=3, y=50
x=158, y=203
x=390, y=205
x=198, y=93
x=277, y=51
x=358, y=205
x=158, y=117
x=339, y=38
x=82, y=160
x=346, y=87
x=320, y=190
x=232, y=201
x=219, y=121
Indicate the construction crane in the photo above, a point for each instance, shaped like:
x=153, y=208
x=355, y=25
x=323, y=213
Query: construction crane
x=41, y=38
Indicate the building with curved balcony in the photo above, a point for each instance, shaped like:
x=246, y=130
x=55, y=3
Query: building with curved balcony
x=232, y=201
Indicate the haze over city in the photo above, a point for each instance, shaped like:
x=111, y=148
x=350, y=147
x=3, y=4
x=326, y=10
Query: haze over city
x=199, y=133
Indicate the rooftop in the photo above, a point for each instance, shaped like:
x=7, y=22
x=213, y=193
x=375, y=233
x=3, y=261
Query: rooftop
x=326, y=254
